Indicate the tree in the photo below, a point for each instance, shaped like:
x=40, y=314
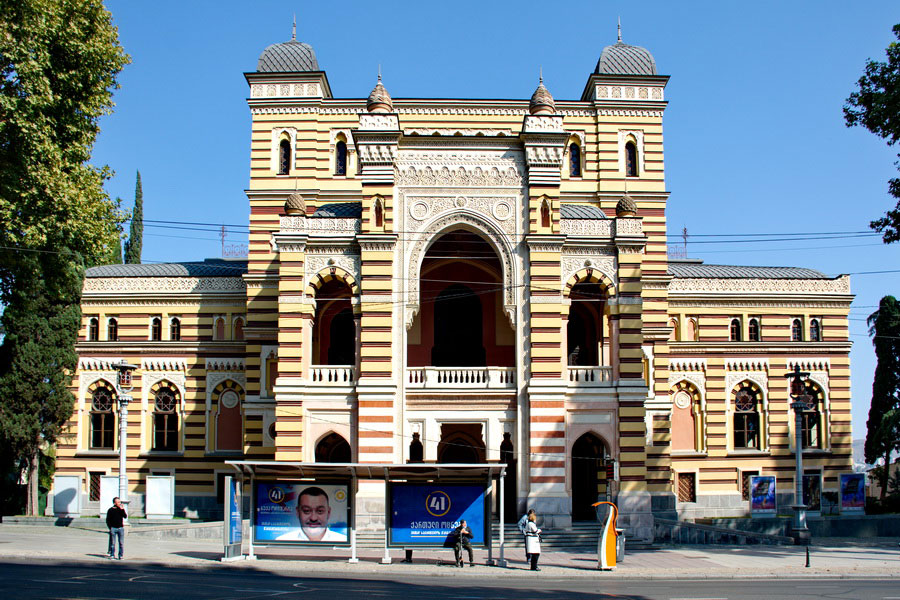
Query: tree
x=876, y=106
x=882, y=426
x=136, y=234
x=59, y=62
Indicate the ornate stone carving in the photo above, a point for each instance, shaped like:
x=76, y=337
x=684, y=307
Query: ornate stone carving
x=377, y=154
x=459, y=177
x=625, y=226
x=760, y=378
x=379, y=122
x=841, y=285
x=459, y=132
x=498, y=209
x=344, y=258
x=320, y=226
x=606, y=264
x=163, y=364
x=179, y=285
x=225, y=364
x=586, y=227
x=544, y=156
x=543, y=123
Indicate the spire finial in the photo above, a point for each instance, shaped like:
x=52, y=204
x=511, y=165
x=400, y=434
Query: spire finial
x=379, y=71
x=294, y=29
x=620, y=30
x=541, y=75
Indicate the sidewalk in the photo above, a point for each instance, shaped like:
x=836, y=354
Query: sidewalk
x=828, y=557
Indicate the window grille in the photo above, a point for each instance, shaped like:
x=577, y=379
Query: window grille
x=93, y=330
x=94, y=485
x=574, y=160
x=284, y=157
x=796, y=331
x=687, y=488
x=340, y=158
x=631, y=160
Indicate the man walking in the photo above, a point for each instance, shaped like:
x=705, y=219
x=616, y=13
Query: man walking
x=115, y=520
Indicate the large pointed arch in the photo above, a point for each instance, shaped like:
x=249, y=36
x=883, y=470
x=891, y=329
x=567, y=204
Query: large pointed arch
x=476, y=224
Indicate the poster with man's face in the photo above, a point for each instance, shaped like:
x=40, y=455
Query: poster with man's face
x=308, y=513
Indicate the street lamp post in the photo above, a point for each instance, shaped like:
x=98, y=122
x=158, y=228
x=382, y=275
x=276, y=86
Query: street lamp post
x=123, y=391
x=800, y=398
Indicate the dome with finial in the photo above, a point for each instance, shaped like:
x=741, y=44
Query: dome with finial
x=625, y=59
x=541, y=101
x=379, y=100
x=295, y=204
x=626, y=207
x=288, y=57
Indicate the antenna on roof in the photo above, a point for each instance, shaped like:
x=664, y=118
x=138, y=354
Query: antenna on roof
x=294, y=29
x=620, y=30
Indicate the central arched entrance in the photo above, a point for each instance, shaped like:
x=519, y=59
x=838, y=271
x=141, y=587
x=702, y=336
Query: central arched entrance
x=461, y=443
x=589, y=484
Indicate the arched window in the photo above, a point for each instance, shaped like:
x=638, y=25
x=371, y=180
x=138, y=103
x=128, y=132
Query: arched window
x=284, y=157
x=746, y=418
x=156, y=329
x=674, y=335
x=631, y=160
x=175, y=329
x=333, y=449
x=815, y=331
x=239, y=329
x=93, y=329
x=753, y=330
x=103, y=419
x=165, y=420
x=545, y=214
x=796, y=331
x=220, y=329
x=379, y=214
x=112, y=330
x=735, y=330
x=812, y=417
x=574, y=160
x=693, y=331
x=340, y=158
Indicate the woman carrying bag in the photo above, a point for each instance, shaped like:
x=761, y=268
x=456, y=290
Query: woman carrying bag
x=533, y=541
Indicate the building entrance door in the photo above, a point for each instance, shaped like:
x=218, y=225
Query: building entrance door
x=589, y=485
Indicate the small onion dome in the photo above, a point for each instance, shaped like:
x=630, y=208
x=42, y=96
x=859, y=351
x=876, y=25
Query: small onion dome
x=541, y=101
x=295, y=204
x=626, y=207
x=288, y=57
x=379, y=100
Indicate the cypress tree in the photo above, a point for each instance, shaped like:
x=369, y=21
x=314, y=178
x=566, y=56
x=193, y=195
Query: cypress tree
x=881, y=439
x=136, y=234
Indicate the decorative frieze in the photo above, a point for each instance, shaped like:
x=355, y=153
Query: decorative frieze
x=317, y=261
x=225, y=364
x=508, y=176
x=629, y=92
x=164, y=364
x=840, y=285
x=164, y=285
x=587, y=227
x=286, y=90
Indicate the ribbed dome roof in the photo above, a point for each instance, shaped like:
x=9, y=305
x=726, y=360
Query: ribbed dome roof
x=541, y=101
x=625, y=59
x=379, y=100
x=289, y=56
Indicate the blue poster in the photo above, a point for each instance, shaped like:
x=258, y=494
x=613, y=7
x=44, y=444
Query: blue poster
x=426, y=514
x=308, y=513
x=234, y=510
x=762, y=494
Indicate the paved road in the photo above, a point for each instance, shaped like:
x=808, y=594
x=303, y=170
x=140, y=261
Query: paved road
x=20, y=579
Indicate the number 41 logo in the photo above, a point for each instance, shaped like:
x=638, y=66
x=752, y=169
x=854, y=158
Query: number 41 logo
x=437, y=504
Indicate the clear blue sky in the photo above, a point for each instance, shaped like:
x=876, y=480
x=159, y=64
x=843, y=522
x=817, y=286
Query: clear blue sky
x=754, y=134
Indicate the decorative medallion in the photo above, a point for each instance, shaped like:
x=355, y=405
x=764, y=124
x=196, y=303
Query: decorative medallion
x=229, y=399
x=682, y=399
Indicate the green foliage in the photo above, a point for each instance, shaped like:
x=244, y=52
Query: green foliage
x=136, y=234
x=883, y=424
x=59, y=60
x=876, y=106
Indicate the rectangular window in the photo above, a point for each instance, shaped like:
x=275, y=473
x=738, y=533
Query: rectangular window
x=165, y=431
x=746, y=434
x=745, y=483
x=102, y=431
x=687, y=487
x=94, y=485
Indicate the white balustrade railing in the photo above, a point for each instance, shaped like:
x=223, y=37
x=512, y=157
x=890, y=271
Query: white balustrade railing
x=494, y=378
x=332, y=374
x=590, y=375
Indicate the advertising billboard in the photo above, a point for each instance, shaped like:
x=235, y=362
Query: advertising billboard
x=853, y=492
x=812, y=491
x=426, y=514
x=233, y=521
x=762, y=494
x=301, y=513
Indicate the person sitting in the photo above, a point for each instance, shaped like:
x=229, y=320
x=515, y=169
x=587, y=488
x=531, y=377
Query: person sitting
x=463, y=534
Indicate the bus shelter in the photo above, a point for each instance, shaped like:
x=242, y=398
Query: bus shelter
x=422, y=501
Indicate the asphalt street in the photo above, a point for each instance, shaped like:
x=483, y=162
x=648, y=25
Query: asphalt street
x=20, y=579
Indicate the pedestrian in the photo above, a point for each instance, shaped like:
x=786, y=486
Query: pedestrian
x=463, y=535
x=533, y=541
x=523, y=522
x=115, y=520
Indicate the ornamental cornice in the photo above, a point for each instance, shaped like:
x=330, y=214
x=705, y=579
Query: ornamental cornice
x=324, y=109
x=684, y=348
x=676, y=301
x=458, y=132
x=225, y=364
x=630, y=249
x=624, y=112
x=163, y=285
x=809, y=363
x=840, y=285
x=119, y=301
x=747, y=364
x=687, y=364
x=498, y=175
x=164, y=364
x=94, y=363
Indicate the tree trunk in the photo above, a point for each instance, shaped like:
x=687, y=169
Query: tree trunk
x=885, y=474
x=31, y=507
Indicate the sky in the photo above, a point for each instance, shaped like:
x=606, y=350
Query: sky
x=755, y=140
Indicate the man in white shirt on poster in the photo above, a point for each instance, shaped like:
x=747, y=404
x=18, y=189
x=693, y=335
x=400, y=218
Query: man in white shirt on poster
x=313, y=510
